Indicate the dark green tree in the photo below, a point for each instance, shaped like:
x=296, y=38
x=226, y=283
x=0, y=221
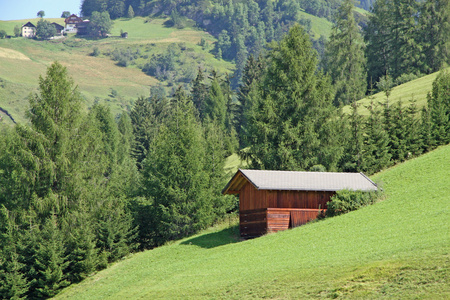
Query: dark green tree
x=434, y=34
x=65, y=14
x=215, y=105
x=13, y=283
x=50, y=261
x=439, y=108
x=17, y=31
x=354, y=139
x=175, y=176
x=252, y=74
x=82, y=254
x=45, y=29
x=376, y=154
x=145, y=127
x=100, y=24
x=290, y=107
x=345, y=60
x=41, y=14
x=199, y=93
x=116, y=8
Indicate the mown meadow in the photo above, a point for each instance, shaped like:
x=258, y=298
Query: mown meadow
x=23, y=60
x=396, y=248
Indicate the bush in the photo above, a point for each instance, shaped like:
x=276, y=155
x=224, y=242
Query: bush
x=406, y=78
x=95, y=51
x=345, y=201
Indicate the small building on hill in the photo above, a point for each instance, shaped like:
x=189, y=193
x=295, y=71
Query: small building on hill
x=59, y=28
x=270, y=201
x=29, y=30
x=76, y=25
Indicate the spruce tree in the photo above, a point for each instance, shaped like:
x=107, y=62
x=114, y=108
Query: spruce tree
x=82, y=254
x=439, y=107
x=352, y=160
x=376, y=154
x=175, y=177
x=199, y=93
x=290, y=107
x=253, y=72
x=215, y=106
x=345, y=60
x=434, y=35
x=13, y=283
x=144, y=120
x=50, y=260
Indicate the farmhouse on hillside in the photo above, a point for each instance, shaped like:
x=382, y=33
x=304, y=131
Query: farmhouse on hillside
x=29, y=30
x=270, y=201
x=75, y=24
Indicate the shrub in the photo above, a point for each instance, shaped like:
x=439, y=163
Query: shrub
x=95, y=51
x=345, y=201
x=406, y=77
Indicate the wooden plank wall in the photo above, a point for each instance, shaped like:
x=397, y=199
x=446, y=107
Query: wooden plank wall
x=277, y=219
x=253, y=223
x=250, y=198
x=303, y=216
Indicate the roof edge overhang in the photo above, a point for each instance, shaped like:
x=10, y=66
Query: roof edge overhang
x=226, y=190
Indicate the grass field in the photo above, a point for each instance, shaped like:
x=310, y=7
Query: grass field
x=413, y=90
x=398, y=248
x=23, y=60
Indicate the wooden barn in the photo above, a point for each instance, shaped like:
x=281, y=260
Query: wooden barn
x=270, y=201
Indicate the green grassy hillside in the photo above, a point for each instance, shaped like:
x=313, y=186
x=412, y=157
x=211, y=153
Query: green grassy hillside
x=23, y=60
x=413, y=90
x=397, y=248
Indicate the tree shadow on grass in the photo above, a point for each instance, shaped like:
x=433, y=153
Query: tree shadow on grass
x=211, y=240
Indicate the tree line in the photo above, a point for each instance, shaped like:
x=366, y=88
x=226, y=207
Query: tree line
x=287, y=120
x=399, y=38
x=81, y=189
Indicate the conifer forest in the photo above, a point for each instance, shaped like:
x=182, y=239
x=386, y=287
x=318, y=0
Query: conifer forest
x=81, y=188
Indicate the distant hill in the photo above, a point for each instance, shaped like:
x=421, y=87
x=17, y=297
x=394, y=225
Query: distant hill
x=396, y=248
x=23, y=60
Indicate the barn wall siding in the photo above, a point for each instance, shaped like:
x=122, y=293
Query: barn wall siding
x=250, y=198
x=263, y=211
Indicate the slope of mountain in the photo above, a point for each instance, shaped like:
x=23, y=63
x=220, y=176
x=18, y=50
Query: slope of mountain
x=396, y=248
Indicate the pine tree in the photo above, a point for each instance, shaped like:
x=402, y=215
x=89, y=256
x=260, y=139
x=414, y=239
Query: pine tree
x=345, y=59
x=376, y=143
x=414, y=142
x=404, y=37
x=81, y=252
x=144, y=120
x=55, y=113
x=115, y=233
x=289, y=107
x=439, y=108
x=50, y=260
x=253, y=72
x=215, y=105
x=130, y=13
x=175, y=177
x=110, y=134
x=199, y=93
x=395, y=126
x=352, y=158
x=13, y=283
x=434, y=34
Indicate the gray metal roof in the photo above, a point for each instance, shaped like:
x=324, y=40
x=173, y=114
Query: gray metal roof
x=308, y=181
